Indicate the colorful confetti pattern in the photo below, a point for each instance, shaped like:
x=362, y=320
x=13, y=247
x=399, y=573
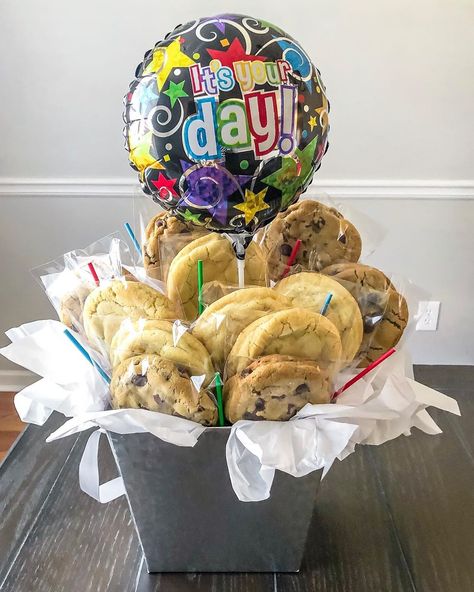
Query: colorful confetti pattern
x=226, y=122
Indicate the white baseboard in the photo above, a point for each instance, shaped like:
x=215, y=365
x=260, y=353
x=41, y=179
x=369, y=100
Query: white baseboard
x=350, y=188
x=15, y=380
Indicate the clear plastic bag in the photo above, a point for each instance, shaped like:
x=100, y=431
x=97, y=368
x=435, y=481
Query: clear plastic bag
x=155, y=383
x=69, y=279
x=310, y=235
x=161, y=235
x=275, y=387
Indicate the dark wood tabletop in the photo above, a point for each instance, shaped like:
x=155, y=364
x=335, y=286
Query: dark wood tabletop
x=392, y=518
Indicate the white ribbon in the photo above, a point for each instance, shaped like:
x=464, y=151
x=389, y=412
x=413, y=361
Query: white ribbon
x=89, y=473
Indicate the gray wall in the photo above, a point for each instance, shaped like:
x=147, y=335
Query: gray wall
x=399, y=77
x=429, y=241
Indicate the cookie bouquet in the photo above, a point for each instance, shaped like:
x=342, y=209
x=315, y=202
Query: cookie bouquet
x=240, y=334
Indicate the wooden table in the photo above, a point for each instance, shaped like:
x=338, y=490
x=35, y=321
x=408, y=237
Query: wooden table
x=393, y=518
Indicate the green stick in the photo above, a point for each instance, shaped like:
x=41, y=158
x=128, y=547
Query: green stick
x=220, y=404
x=200, y=284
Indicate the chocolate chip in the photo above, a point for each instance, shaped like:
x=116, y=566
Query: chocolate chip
x=183, y=371
x=342, y=238
x=259, y=404
x=291, y=409
x=246, y=371
x=139, y=379
x=159, y=223
x=285, y=250
x=318, y=225
x=302, y=388
x=158, y=400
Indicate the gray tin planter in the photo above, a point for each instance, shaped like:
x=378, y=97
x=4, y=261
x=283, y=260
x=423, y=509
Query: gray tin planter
x=189, y=519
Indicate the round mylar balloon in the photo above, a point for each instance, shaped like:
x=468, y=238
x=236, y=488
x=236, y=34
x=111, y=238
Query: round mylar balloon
x=226, y=122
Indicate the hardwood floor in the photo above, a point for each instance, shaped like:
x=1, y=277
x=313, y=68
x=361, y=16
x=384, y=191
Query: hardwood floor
x=10, y=424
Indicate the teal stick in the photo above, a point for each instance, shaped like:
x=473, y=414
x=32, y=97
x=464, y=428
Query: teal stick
x=325, y=306
x=133, y=238
x=84, y=352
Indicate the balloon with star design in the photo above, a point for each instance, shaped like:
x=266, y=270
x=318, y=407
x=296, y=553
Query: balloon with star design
x=226, y=122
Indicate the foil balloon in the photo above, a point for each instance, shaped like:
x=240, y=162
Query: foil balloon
x=226, y=122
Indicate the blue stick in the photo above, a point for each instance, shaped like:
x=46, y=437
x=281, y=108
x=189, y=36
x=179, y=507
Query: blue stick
x=84, y=352
x=132, y=236
x=325, y=307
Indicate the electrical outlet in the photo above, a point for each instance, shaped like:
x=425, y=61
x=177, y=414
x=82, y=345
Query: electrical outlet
x=428, y=313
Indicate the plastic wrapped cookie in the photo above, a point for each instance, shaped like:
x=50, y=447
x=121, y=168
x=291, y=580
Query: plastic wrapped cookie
x=219, y=263
x=297, y=332
x=153, y=383
x=110, y=304
x=71, y=304
x=165, y=339
x=275, y=388
x=165, y=236
x=222, y=322
x=310, y=290
x=326, y=237
x=384, y=311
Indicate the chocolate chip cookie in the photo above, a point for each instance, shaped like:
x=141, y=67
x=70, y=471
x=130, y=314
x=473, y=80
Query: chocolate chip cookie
x=159, y=337
x=219, y=263
x=357, y=273
x=221, y=323
x=297, y=332
x=72, y=304
x=384, y=311
x=326, y=237
x=166, y=234
x=111, y=303
x=275, y=388
x=310, y=290
x=153, y=383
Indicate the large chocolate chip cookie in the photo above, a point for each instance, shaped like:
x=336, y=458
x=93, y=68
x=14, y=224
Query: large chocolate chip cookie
x=153, y=383
x=275, y=388
x=326, y=237
x=384, y=311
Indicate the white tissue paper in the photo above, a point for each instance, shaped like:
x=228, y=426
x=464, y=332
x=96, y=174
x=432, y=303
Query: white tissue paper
x=383, y=405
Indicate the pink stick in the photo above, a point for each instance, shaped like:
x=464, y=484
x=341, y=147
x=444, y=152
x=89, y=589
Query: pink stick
x=291, y=258
x=363, y=372
x=93, y=273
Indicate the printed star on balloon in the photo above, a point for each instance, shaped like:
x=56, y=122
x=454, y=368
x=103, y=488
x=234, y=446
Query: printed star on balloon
x=234, y=53
x=286, y=178
x=175, y=92
x=147, y=96
x=165, y=59
x=140, y=154
x=165, y=186
x=254, y=203
x=190, y=217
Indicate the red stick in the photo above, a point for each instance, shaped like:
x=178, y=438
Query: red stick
x=363, y=372
x=93, y=273
x=291, y=258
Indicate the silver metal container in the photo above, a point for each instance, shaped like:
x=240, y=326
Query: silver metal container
x=189, y=519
